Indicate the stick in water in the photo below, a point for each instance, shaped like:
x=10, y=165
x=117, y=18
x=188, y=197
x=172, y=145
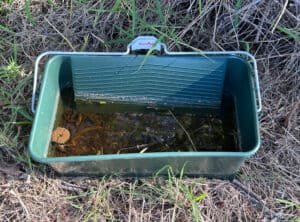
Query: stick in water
x=186, y=132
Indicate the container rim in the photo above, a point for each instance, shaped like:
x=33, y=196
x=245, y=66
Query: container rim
x=145, y=155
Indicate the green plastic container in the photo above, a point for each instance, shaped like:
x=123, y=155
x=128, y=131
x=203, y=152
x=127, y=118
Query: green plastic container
x=235, y=72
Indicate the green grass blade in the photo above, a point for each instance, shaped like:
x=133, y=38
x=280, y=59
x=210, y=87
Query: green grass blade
x=199, y=7
x=28, y=10
x=133, y=17
x=4, y=28
x=292, y=34
x=116, y=6
x=159, y=11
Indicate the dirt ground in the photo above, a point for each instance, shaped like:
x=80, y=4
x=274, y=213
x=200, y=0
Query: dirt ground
x=266, y=187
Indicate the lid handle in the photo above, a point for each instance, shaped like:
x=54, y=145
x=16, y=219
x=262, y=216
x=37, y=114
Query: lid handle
x=145, y=43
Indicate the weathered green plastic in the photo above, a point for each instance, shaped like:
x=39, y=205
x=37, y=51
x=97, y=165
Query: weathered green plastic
x=237, y=80
x=161, y=80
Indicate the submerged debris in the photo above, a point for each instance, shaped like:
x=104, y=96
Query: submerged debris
x=60, y=135
x=117, y=133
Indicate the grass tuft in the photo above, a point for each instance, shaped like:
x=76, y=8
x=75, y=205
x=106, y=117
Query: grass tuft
x=12, y=70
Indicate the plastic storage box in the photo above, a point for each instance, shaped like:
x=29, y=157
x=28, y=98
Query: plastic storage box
x=188, y=80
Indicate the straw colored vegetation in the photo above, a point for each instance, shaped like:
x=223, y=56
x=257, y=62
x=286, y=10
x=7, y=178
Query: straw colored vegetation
x=267, y=186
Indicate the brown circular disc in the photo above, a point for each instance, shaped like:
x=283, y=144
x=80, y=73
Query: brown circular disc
x=60, y=135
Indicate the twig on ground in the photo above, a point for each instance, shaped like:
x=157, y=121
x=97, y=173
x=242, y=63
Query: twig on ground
x=280, y=16
x=62, y=35
x=255, y=198
x=292, y=113
x=21, y=202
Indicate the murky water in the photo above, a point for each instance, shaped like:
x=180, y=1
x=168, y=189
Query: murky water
x=143, y=132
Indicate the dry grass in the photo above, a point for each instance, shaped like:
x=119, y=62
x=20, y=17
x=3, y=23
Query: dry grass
x=268, y=29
